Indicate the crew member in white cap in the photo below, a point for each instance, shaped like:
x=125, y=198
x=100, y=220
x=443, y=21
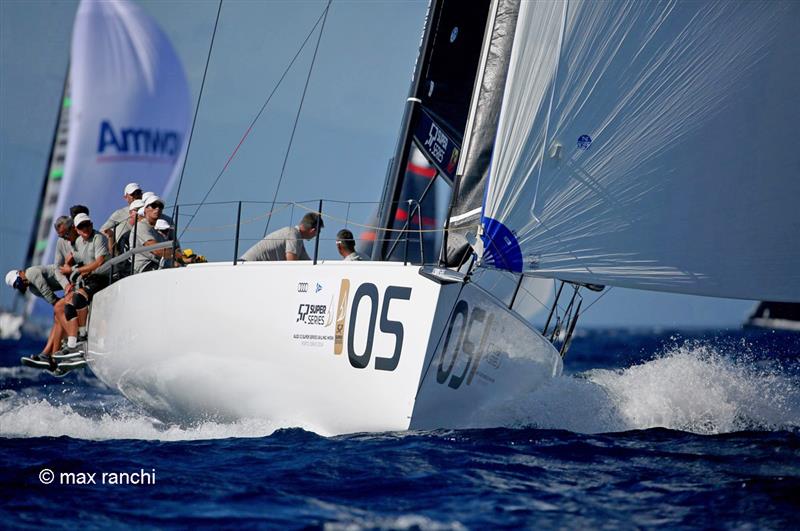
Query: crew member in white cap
x=91, y=251
x=148, y=195
x=116, y=227
x=146, y=234
x=42, y=282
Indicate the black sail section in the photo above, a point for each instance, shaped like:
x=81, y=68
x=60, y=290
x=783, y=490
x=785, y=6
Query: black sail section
x=438, y=105
x=468, y=200
x=449, y=77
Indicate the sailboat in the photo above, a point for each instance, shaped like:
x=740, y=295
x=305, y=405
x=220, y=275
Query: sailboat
x=123, y=117
x=593, y=143
x=775, y=315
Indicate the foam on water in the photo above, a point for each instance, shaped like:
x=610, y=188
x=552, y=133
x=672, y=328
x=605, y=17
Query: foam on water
x=690, y=388
x=40, y=418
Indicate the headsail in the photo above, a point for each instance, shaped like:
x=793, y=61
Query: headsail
x=130, y=109
x=648, y=145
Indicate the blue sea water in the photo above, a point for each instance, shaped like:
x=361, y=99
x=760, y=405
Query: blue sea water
x=646, y=429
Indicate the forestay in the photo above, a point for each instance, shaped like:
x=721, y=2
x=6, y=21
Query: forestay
x=130, y=109
x=651, y=145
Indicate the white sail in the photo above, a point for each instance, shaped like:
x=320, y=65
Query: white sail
x=130, y=109
x=651, y=145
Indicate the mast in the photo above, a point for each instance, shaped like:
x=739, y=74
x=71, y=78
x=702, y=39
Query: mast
x=392, y=187
x=438, y=105
x=51, y=183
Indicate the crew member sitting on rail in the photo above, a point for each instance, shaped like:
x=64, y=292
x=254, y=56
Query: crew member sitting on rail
x=168, y=232
x=91, y=251
x=163, y=216
x=146, y=234
x=43, y=282
x=346, y=245
x=116, y=227
x=286, y=243
x=124, y=244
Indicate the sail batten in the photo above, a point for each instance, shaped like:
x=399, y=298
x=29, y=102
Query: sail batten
x=647, y=145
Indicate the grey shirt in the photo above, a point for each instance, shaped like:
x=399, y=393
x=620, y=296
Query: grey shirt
x=87, y=251
x=275, y=246
x=43, y=282
x=63, y=249
x=118, y=220
x=145, y=232
x=355, y=256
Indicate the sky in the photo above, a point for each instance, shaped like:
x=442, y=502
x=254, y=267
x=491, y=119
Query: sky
x=345, y=136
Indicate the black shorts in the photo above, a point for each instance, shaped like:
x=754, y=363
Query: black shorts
x=94, y=283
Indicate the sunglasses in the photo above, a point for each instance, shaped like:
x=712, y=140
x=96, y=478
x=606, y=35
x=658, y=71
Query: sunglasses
x=156, y=205
x=19, y=284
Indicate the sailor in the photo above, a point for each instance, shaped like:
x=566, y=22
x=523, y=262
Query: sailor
x=168, y=232
x=115, y=228
x=286, y=243
x=74, y=210
x=91, y=251
x=346, y=245
x=44, y=283
x=124, y=243
x=146, y=234
x=163, y=216
x=65, y=228
x=65, y=247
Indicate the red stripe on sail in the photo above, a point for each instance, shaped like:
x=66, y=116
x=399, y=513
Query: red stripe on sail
x=422, y=171
x=402, y=216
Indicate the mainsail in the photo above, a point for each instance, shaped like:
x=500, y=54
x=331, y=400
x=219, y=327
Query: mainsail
x=129, y=110
x=650, y=145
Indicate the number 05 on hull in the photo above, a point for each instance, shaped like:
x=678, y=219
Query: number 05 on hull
x=333, y=348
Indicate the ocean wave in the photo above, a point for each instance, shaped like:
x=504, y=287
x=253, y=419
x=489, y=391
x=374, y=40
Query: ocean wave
x=692, y=387
x=36, y=417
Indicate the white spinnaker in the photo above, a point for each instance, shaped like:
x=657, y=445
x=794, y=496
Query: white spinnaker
x=651, y=145
x=130, y=109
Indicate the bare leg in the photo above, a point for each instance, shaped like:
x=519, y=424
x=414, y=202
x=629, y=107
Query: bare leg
x=58, y=310
x=50, y=347
x=71, y=328
x=83, y=315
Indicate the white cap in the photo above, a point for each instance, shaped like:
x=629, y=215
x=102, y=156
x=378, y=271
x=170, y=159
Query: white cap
x=147, y=195
x=81, y=218
x=140, y=212
x=162, y=224
x=11, y=277
x=152, y=199
x=132, y=187
x=136, y=204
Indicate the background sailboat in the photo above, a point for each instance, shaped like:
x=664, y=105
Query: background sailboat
x=123, y=117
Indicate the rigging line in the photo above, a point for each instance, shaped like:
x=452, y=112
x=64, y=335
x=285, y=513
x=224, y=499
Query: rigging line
x=299, y=109
x=197, y=108
x=260, y=112
x=597, y=299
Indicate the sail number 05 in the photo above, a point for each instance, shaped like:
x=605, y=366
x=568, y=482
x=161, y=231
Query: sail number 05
x=387, y=326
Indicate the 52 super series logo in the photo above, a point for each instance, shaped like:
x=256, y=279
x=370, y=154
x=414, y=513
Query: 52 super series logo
x=315, y=314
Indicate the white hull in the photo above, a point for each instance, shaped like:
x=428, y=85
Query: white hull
x=282, y=341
